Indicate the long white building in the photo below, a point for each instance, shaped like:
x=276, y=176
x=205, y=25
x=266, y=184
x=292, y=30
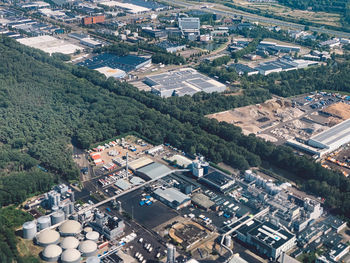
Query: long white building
x=331, y=139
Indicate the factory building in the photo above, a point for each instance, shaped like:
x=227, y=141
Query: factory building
x=189, y=25
x=126, y=63
x=89, y=42
x=217, y=180
x=110, y=227
x=170, y=47
x=270, y=240
x=331, y=139
x=172, y=197
x=181, y=82
x=93, y=20
x=153, y=171
x=111, y=72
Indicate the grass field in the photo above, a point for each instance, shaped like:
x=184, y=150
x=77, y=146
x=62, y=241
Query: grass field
x=280, y=10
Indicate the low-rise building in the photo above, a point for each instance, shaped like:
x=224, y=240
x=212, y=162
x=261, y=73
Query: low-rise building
x=172, y=197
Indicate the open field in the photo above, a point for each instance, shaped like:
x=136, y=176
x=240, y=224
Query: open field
x=331, y=19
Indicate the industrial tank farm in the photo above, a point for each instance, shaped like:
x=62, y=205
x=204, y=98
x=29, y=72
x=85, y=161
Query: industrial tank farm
x=70, y=228
x=70, y=256
x=48, y=237
x=52, y=253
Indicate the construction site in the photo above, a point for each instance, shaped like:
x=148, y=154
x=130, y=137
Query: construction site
x=279, y=120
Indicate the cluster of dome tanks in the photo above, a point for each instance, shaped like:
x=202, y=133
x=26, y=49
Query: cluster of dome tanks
x=270, y=187
x=62, y=244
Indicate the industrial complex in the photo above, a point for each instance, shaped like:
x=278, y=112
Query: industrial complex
x=185, y=81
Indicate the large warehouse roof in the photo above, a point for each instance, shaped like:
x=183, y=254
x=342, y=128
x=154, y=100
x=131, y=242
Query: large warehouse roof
x=141, y=162
x=185, y=81
x=50, y=44
x=172, y=195
x=333, y=134
x=154, y=170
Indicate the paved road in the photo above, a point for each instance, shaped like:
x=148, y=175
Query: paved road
x=255, y=18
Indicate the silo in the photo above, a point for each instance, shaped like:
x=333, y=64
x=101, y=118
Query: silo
x=228, y=240
x=71, y=208
x=269, y=186
x=47, y=237
x=69, y=243
x=247, y=175
x=88, y=248
x=205, y=166
x=70, y=256
x=51, y=253
x=74, y=216
x=57, y=217
x=87, y=229
x=93, y=236
x=43, y=222
x=29, y=230
x=54, y=208
x=93, y=260
x=66, y=210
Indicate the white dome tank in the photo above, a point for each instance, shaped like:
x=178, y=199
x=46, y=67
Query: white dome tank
x=48, y=237
x=88, y=248
x=69, y=242
x=71, y=256
x=51, y=253
x=70, y=228
x=93, y=236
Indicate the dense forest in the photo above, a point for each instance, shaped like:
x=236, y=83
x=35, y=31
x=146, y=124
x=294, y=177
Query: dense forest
x=48, y=105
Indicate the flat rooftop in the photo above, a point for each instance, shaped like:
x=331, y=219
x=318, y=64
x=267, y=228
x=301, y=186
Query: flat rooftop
x=270, y=234
x=334, y=134
x=217, y=178
x=50, y=44
x=185, y=81
x=172, y=195
x=125, y=63
x=135, y=9
x=154, y=170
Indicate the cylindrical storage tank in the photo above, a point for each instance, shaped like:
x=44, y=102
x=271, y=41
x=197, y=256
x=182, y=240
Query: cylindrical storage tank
x=66, y=210
x=71, y=208
x=74, y=217
x=93, y=260
x=51, y=253
x=205, y=167
x=57, y=217
x=228, y=240
x=54, y=208
x=29, y=230
x=88, y=248
x=87, y=229
x=70, y=256
x=44, y=222
x=70, y=228
x=69, y=243
x=93, y=236
x=47, y=237
x=269, y=186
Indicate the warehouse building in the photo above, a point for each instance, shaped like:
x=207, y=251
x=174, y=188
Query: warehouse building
x=217, y=180
x=112, y=72
x=189, y=24
x=126, y=63
x=331, y=139
x=185, y=81
x=153, y=171
x=170, y=47
x=172, y=197
x=270, y=240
